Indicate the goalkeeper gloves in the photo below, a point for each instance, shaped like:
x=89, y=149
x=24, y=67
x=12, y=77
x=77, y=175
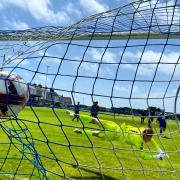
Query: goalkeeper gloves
x=161, y=155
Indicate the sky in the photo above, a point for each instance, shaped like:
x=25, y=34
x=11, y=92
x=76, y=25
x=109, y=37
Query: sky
x=114, y=85
x=24, y=14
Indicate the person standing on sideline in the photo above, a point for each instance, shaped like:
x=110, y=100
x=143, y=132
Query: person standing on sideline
x=95, y=110
x=162, y=121
x=76, y=112
x=143, y=116
x=151, y=119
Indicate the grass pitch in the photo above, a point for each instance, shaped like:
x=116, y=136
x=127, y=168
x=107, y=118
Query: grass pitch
x=65, y=154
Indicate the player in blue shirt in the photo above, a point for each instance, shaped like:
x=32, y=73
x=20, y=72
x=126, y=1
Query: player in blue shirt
x=95, y=110
x=162, y=121
x=76, y=112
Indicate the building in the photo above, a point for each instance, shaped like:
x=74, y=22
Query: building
x=65, y=101
x=35, y=94
x=40, y=96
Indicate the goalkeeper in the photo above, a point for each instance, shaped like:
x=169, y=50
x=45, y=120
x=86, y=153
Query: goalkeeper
x=134, y=136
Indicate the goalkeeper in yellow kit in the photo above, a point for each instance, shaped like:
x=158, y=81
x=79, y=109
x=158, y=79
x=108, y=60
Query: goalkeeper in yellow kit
x=134, y=136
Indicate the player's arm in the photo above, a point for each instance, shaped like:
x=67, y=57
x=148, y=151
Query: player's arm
x=153, y=144
x=144, y=155
x=149, y=156
x=159, y=151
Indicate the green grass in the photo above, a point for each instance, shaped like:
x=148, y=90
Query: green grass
x=56, y=143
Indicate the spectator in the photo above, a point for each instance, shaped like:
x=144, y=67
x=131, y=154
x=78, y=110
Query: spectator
x=143, y=116
x=151, y=119
x=162, y=121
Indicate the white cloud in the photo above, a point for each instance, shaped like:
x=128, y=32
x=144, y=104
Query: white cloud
x=96, y=55
x=93, y=6
x=152, y=57
x=124, y=90
x=147, y=70
x=91, y=67
x=17, y=25
x=109, y=57
x=40, y=10
x=71, y=10
x=52, y=59
x=148, y=56
x=110, y=71
x=88, y=67
x=121, y=89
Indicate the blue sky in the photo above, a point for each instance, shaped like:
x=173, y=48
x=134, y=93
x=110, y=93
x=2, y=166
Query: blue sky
x=25, y=14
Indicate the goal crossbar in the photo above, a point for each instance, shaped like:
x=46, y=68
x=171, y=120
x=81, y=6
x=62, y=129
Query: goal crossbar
x=28, y=35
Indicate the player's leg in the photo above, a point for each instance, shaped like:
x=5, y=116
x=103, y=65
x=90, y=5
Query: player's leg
x=164, y=129
x=77, y=115
x=74, y=118
x=164, y=126
x=69, y=113
x=87, y=132
x=150, y=123
x=96, y=115
x=95, y=121
x=161, y=130
x=84, y=117
x=142, y=120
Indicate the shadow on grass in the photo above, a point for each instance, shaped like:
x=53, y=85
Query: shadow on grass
x=97, y=175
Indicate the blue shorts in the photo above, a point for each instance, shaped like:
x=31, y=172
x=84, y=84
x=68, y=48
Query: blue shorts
x=162, y=124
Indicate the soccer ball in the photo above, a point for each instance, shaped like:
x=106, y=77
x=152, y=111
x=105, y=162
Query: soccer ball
x=13, y=93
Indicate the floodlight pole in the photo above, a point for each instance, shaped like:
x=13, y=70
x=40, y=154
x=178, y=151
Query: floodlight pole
x=46, y=82
x=46, y=75
x=75, y=91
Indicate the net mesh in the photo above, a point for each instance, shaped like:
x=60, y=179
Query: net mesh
x=128, y=60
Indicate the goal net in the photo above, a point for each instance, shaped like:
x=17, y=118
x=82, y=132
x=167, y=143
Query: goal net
x=127, y=59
